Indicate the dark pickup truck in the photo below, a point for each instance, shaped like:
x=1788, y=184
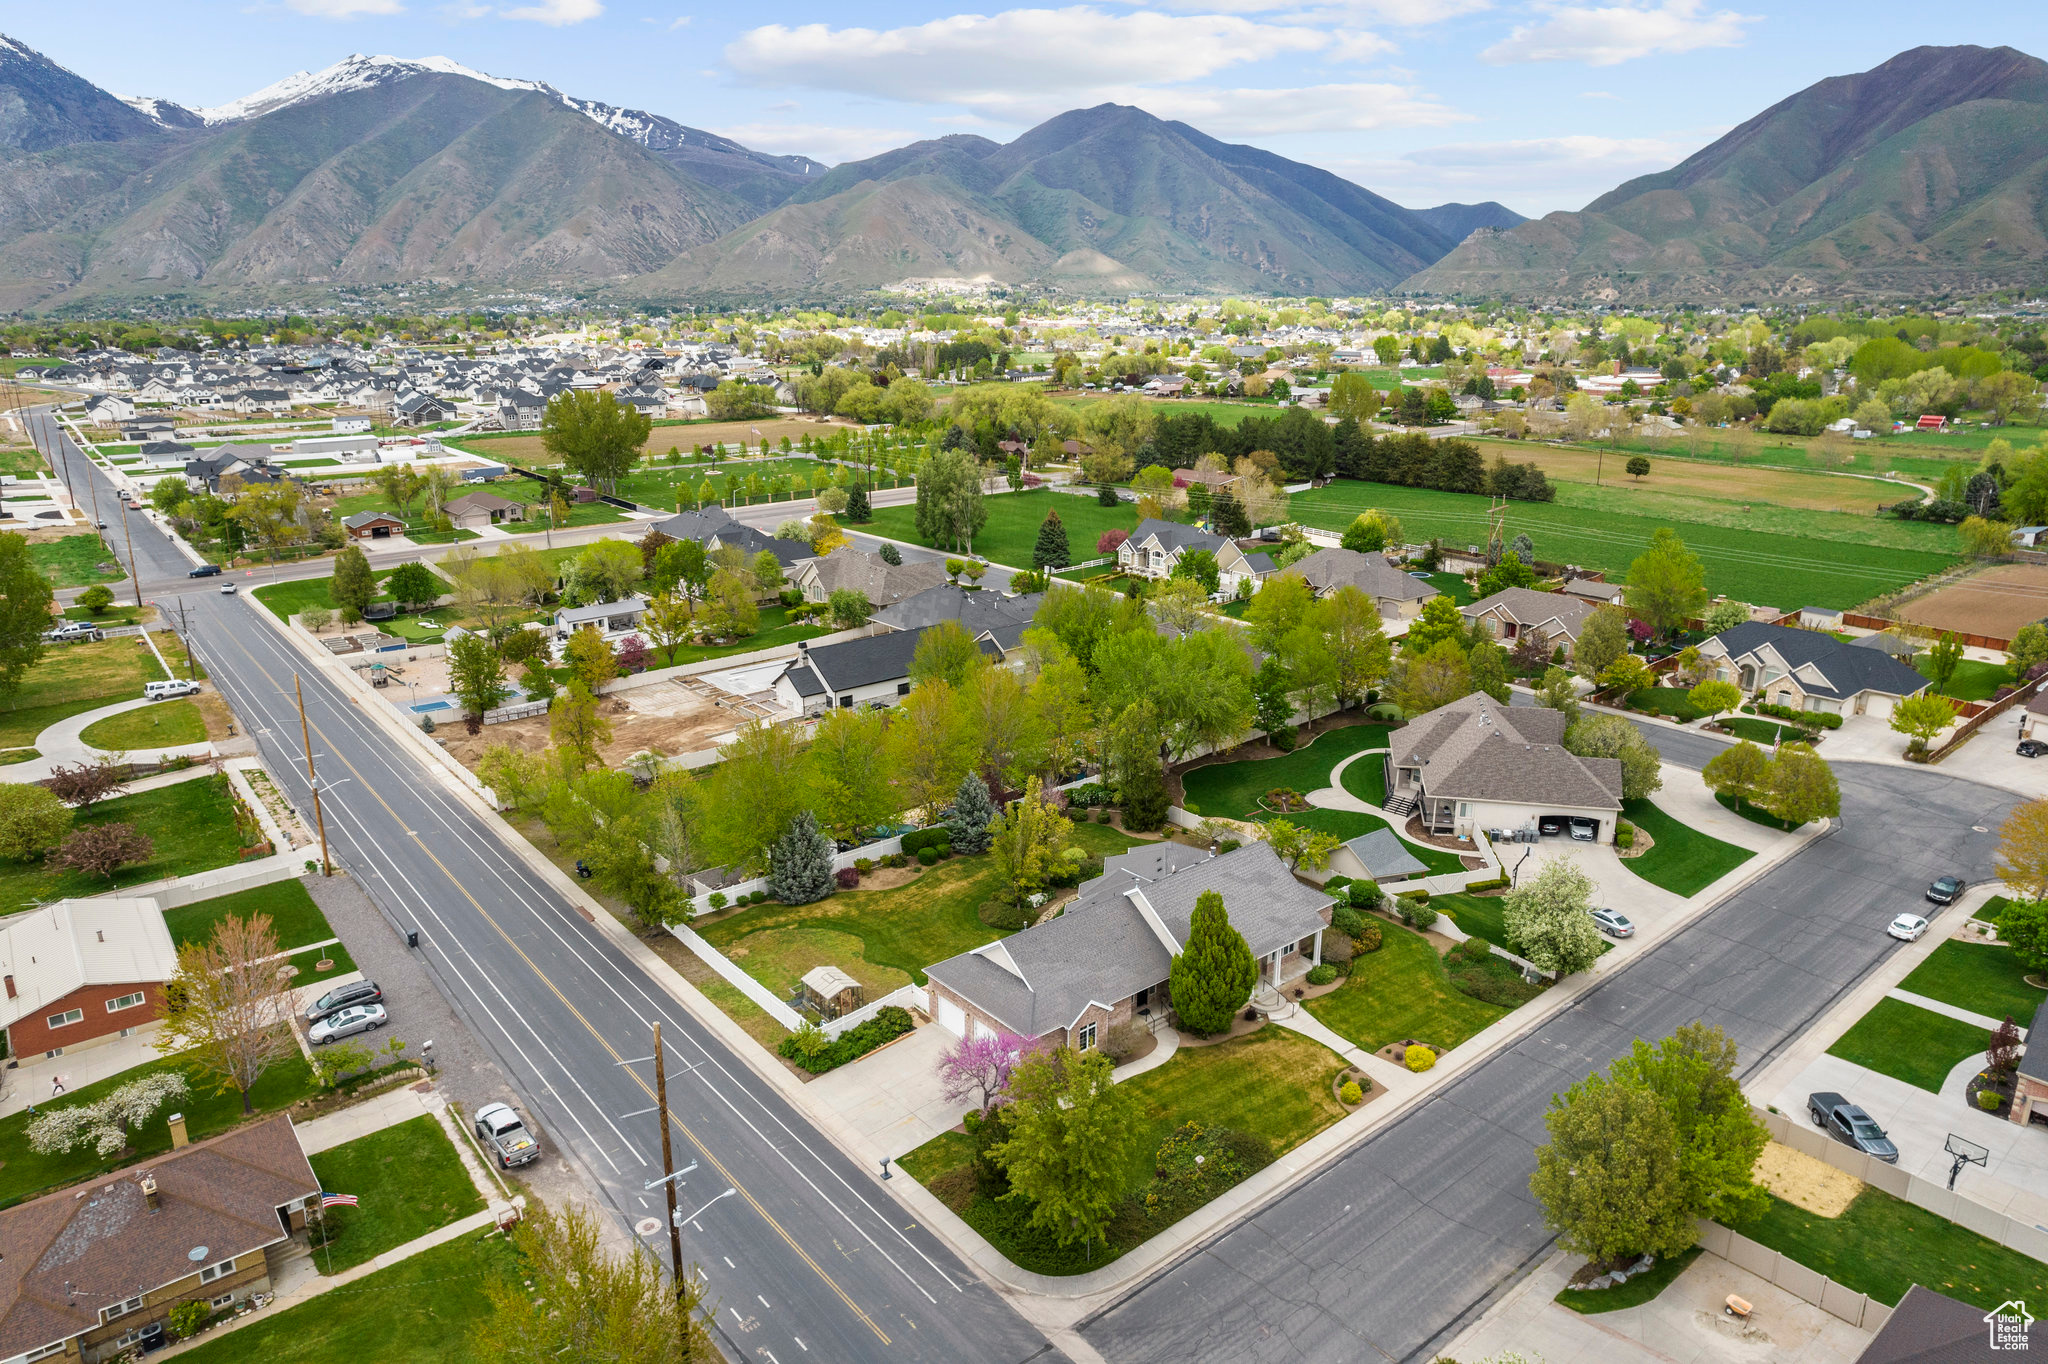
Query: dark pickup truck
x=1850, y=1125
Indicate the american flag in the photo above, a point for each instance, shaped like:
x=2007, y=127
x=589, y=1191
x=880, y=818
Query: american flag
x=337, y=1200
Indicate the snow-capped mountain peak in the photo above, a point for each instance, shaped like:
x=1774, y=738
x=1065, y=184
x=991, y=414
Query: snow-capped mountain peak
x=354, y=72
x=162, y=112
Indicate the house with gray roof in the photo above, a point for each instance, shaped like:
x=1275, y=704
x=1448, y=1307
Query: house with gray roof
x=1476, y=764
x=1809, y=670
x=1398, y=595
x=1003, y=618
x=881, y=582
x=1108, y=958
x=1155, y=548
x=606, y=617
x=2030, y=1081
x=715, y=528
x=1377, y=856
x=1513, y=614
x=873, y=670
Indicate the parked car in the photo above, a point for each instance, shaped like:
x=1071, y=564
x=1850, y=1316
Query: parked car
x=1850, y=1125
x=229, y=589
x=1613, y=923
x=341, y=996
x=1945, y=890
x=205, y=571
x=1584, y=830
x=72, y=630
x=176, y=686
x=1550, y=824
x=505, y=1136
x=1907, y=927
x=2031, y=748
x=347, y=1023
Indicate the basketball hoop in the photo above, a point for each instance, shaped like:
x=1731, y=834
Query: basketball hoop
x=1965, y=1152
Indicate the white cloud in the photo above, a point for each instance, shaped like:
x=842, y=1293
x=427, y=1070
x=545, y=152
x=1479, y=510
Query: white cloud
x=345, y=9
x=1610, y=35
x=1012, y=58
x=683, y=22
x=1356, y=107
x=1400, y=13
x=558, y=13
x=1359, y=47
x=1531, y=175
x=828, y=142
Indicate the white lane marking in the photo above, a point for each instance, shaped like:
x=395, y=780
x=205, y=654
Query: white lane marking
x=728, y=1262
x=763, y=1301
x=800, y=1344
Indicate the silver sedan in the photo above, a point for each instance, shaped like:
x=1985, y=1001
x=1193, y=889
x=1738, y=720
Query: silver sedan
x=350, y=1021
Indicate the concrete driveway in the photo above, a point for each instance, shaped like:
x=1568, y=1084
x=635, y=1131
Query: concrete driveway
x=891, y=1099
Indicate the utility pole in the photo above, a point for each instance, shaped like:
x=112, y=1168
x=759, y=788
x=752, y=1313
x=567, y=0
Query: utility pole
x=134, y=578
x=312, y=780
x=668, y=1167
x=185, y=634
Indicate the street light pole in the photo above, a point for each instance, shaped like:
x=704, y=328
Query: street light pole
x=312, y=780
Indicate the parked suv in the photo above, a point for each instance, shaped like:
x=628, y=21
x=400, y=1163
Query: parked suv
x=342, y=996
x=1945, y=890
x=1850, y=1125
x=205, y=571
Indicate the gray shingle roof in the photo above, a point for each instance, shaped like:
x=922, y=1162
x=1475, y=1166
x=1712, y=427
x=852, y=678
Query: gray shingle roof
x=1005, y=617
x=1848, y=670
x=1173, y=535
x=1527, y=606
x=868, y=660
x=1330, y=569
x=1384, y=856
x=883, y=583
x=1477, y=749
x=2034, y=1062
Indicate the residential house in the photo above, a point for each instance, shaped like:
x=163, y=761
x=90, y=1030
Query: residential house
x=1002, y=618
x=420, y=409
x=1932, y=1328
x=1593, y=590
x=474, y=511
x=2030, y=1081
x=609, y=617
x=1156, y=547
x=871, y=671
x=81, y=972
x=2029, y=537
x=372, y=525
x=1398, y=595
x=1477, y=764
x=714, y=528
x=847, y=568
x=92, y=1273
x=1552, y=619
x=1107, y=959
x=250, y=463
x=1809, y=670
x=110, y=410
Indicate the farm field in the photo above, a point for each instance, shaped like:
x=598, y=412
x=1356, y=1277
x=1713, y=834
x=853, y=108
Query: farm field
x=1779, y=568
x=1995, y=602
x=1227, y=414
x=1013, y=521
x=525, y=447
x=1672, y=474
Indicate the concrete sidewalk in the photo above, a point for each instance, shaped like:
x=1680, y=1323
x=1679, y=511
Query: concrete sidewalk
x=61, y=745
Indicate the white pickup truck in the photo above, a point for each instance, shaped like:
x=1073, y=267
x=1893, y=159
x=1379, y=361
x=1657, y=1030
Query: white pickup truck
x=505, y=1136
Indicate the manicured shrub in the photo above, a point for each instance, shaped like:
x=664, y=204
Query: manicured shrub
x=1478, y=949
x=1336, y=883
x=1987, y=1099
x=864, y=865
x=944, y=850
x=1228, y=845
x=1347, y=920
x=896, y=859
x=1366, y=894
x=1322, y=974
x=1103, y=815
x=1351, y=1093
x=1624, y=838
x=759, y=897
x=718, y=900
x=1418, y=1058
x=926, y=857
x=803, y=1046
x=1367, y=939
x=847, y=878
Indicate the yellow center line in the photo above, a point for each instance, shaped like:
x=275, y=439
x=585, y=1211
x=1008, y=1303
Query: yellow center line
x=599, y=1037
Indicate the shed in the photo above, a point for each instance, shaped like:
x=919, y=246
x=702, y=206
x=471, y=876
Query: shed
x=1378, y=856
x=831, y=991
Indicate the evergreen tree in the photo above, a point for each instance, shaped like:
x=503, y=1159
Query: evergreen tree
x=1051, y=549
x=1214, y=974
x=973, y=811
x=800, y=863
x=858, y=513
x=1134, y=758
x=1228, y=516
x=891, y=555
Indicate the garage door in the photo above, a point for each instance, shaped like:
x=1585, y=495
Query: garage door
x=952, y=1017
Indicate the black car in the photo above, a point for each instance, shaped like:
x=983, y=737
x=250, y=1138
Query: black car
x=1550, y=824
x=1944, y=891
x=205, y=571
x=2031, y=748
x=342, y=996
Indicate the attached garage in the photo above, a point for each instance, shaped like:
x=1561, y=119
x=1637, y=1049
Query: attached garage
x=951, y=1016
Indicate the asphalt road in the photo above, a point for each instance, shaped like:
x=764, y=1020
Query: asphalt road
x=1404, y=1241
x=811, y=1256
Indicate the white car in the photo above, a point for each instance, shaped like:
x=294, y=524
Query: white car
x=1613, y=923
x=229, y=589
x=347, y=1023
x=1907, y=927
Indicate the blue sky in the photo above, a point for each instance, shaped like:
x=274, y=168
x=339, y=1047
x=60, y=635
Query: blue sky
x=1541, y=106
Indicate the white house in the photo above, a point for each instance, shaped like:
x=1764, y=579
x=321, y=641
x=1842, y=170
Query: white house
x=1156, y=547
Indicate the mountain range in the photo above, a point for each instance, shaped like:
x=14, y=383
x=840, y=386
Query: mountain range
x=1924, y=175
x=1928, y=173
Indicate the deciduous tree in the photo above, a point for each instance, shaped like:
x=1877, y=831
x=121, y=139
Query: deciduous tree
x=1740, y=772
x=1801, y=786
x=568, y=1297
x=577, y=726
x=33, y=820
x=757, y=791
x=2023, y=849
x=85, y=785
x=1667, y=584
x=1558, y=693
x=1026, y=841
x=230, y=1006
x=105, y=1123
x=1072, y=1131
x=1547, y=921
x=930, y=747
x=1920, y=718
x=476, y=674
x=414, y=584
x=1602, y=639
x=353, y=585
x=945, y=653
x=595, y=435
x=1714, y=696
x=979, y=1068
x=103, y=849
x=1434, y=678
x=851, y=773
x=1610, y=1179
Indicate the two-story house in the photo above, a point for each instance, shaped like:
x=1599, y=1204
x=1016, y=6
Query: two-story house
x=1156, y=547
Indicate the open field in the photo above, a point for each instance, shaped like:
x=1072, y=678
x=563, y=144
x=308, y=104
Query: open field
x=1787, y=567
x=1226, y=414
x=191, y=823
x=525, y=448
x=1995, y=602
x=1013, y=521
x=75, y=560
x=662, y=718
x=1704, y=478
x=76, y=677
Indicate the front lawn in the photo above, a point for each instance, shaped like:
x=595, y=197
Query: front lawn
x=1455, y=586
x=774, y=630
x=410, y=1180
x=1910, y=1043
x=288, y=599
x=1882, y=1246
x=1400, y=992
x=422, y=1310
x=1764, y=732
x=74, y=561
x=293, y=916
x=1367, y=779
x=72, y=678
x=192, y=823
x=148, y=729
x=1272, y=1083
x=1233, y=790
x=883, y=938
x=1478, y=915
x=1974, y=680
x=1981, y=977
x=1755, y=814
x=1993, y=909
x=27, y=1173
x=1684, y=860
x=1670, y=702
x=1013, y=521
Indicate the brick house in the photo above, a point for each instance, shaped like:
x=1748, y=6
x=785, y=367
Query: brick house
x=1476, y=764
x=89, y=1273
x=1516, y=613
x=2030, y=1081
x=1809, y=670
x=80, y=972
x=1155, y=549
x=1108, y=958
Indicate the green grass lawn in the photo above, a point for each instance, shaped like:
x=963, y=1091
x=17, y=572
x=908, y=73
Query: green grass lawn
x=1755, y=814
x=419, y=1311
x=147, y=729
x=1478, y=915
x=1670, y=702
x=1637, y=1291
x=287, y=599
x=293, y=915
x=27, y=1173
x=1981, y=977
x=1882, y=1246
x=113, y=615
x=410, y=1181
x=1910, y=1043
x=1974, y=680
x=1233, y=790
x=580, y=514
x=1764, y=732
x=1816, y=558
x=10, y=757
x=1993, y=909
x=1454, y=586
x=775, y=630
x=1272, y=1083
x=72, y=678
x=1367, y=779
x=1684, y=860
x=1400, y=992
x=192, y=822
x=1013, y=521
x=74, y=560
x=883, y=938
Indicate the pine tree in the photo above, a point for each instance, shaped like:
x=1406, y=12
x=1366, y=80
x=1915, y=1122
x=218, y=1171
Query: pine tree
x=1228, y=516
x=800, y=863
x=1134, y=757
x=1051, y=549
x=858, y=513
x=1214, y=973
x=973, y=811
x=891, y=555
